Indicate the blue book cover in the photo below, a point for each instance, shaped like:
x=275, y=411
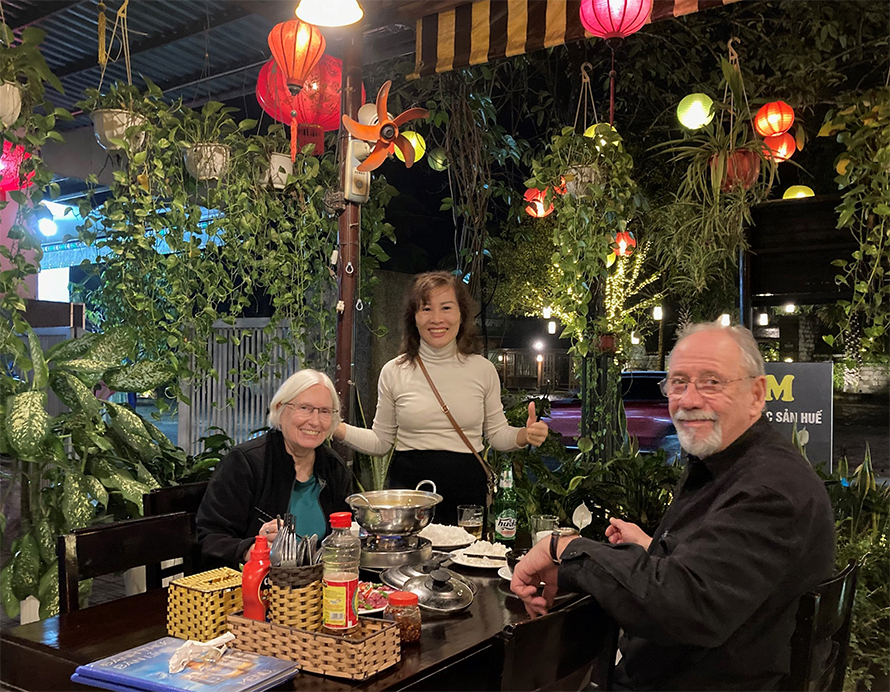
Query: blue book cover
x=146, y=669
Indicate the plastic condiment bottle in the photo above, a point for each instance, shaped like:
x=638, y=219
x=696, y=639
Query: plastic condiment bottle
x=341, y=555
x=402, y=608
x=252, y=592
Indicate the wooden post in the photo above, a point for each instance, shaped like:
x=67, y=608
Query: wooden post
x=349, y=228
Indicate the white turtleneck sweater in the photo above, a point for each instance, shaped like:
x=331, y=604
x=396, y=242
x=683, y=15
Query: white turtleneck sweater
x=407, y=409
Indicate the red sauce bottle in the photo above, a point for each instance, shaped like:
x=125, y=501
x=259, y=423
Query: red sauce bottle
x=252, y=592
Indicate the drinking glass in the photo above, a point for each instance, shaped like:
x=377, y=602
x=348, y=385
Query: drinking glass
x=543, y=525
x=469, y=518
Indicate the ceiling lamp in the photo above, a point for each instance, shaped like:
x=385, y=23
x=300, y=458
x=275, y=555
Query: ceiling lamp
x=614, y=18
x=695, y=111
x=535, y=206
x=297, y=47
x=798, y=192
x=329, y=12
x=773, y=119
x=779, y=147
x=437, y=159
x=11, y=160
x=626, y=243
x=417, y=141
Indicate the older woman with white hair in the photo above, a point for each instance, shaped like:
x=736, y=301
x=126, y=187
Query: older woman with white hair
x=287, y=470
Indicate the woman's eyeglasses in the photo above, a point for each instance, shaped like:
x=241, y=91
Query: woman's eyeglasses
x=306, y=411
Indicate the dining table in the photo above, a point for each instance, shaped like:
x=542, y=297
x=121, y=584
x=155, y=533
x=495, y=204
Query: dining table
x=461, y=650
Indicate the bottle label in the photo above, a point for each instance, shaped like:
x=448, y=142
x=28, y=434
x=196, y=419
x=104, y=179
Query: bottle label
x=340, y=597
x=505, y=527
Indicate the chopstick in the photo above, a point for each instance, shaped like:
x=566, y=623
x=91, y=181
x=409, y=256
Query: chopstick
x=476, y=556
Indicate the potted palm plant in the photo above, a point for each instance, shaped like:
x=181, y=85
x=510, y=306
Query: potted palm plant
x=120, y=116
x=23, y=72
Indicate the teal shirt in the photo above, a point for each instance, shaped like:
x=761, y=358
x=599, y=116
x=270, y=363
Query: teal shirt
x=304, y=506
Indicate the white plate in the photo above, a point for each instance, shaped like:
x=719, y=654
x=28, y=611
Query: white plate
x=372, y=611
x=505, y=573
x=458, y=558
x=454, y=546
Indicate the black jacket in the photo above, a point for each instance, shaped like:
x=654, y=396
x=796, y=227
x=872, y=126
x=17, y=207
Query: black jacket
x=259, y=475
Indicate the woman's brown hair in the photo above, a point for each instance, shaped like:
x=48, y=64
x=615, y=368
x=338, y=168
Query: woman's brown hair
x=419, y=295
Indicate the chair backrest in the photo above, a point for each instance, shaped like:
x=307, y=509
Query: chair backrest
x=558, y=650
x=822, y=635
x=176, y=498
x=108, y=548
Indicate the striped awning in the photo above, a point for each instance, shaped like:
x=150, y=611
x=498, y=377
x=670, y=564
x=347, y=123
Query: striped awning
x=480, y=31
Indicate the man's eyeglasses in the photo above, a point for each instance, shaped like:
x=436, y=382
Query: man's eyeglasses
x=306, y=411
x=706, y=386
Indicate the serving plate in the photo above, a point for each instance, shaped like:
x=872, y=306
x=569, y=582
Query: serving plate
x=458, y=558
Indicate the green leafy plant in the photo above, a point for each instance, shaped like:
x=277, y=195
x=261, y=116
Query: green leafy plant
x=124, y=96
x=22, y=63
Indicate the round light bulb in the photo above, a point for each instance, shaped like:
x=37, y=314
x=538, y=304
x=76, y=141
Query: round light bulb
x=417, y=141
x=695, y=111
x=798, y=191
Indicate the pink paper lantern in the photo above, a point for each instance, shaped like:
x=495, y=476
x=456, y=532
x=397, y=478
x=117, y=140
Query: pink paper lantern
x=614, y=18
x=14, y=155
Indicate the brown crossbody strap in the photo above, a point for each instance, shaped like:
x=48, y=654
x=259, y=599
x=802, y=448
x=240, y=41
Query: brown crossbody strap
x=488, y=473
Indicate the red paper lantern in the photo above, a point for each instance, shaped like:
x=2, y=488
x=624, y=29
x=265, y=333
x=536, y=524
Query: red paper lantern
x=14, y=155
x=779, y=147
x=535, y=199
x=297, y=47
x=614, y=18
x=773, y=119
x=626, y=243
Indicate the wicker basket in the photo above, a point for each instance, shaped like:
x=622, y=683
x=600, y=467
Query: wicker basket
x=197, y=605
x=373, y=647
x=295, y=597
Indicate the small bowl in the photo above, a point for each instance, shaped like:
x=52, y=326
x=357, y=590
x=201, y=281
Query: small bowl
x=514, y=556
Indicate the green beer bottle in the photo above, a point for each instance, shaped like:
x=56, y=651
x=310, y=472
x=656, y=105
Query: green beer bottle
x=505, y=518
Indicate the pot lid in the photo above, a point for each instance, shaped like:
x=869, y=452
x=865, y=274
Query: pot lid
x=438, y=592
x=397, y=576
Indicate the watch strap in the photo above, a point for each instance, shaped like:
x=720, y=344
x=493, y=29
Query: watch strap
x=554, y=545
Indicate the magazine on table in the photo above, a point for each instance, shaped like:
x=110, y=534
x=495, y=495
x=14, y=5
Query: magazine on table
x=145, y=668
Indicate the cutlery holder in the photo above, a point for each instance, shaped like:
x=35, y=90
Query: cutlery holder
x=295, y=597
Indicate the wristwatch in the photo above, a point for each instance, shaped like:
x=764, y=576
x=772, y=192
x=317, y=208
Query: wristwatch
x=554, y=544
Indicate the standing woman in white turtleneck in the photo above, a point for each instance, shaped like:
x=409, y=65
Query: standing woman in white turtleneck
x=438, y=328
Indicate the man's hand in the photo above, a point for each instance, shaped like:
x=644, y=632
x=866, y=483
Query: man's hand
x=535, y=431
x=624, y=532
x=534, y=568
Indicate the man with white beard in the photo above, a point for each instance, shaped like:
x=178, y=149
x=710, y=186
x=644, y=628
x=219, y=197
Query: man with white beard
x=708, y=602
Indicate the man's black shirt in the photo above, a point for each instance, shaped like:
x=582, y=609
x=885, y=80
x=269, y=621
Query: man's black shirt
x=712, y=603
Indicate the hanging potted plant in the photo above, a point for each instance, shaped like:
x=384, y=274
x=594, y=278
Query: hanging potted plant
x=275, y=164
x=120, y=116
x=203, y=137
x=23, y=72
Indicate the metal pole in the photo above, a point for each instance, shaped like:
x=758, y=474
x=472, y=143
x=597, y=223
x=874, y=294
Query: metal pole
x=349, y=230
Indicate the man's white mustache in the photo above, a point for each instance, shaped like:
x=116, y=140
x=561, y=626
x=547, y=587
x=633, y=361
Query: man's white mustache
x=694, y=415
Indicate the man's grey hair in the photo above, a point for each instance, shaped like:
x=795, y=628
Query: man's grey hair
x=295, y=385
x=752, y=360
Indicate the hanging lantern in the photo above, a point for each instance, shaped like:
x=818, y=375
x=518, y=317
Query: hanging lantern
x=614, y=18
x=535, y=206
x=417, y=141
x=626, y=243
x=695, y=111
x=603, y=135
x=773, y=119
x=297, y=47
x=14, y=155
x=798, y=192
x=779, y=147
x=437, y=159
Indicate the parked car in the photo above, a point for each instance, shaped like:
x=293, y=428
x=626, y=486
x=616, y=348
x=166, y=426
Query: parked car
x=645, y=406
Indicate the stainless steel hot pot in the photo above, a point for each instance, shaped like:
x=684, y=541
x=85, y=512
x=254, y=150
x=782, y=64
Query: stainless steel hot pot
x=395, y=512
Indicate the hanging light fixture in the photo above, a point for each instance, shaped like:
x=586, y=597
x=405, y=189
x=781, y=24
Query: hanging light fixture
x=297, y=47
x=626, y=243
x=774, y=118
x=798, y=191
x=11, y=160
x=417, y=141
x=614, y=20
x=329, y=12
x=695, y=111
x=779, y=148
x=437, y=159
x=535, y=206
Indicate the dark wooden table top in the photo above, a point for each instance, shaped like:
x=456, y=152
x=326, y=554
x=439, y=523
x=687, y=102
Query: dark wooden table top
x=43, y=655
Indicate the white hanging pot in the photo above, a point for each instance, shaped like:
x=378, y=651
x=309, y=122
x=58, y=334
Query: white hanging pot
x=112, y=123
x=207, y=160
x=578, y=177
x=280, y=166
x=10, y=103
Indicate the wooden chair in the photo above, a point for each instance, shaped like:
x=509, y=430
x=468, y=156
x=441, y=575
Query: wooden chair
x=822, y=635
x=99, y=550
x=176, y=498
x=565, y=649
